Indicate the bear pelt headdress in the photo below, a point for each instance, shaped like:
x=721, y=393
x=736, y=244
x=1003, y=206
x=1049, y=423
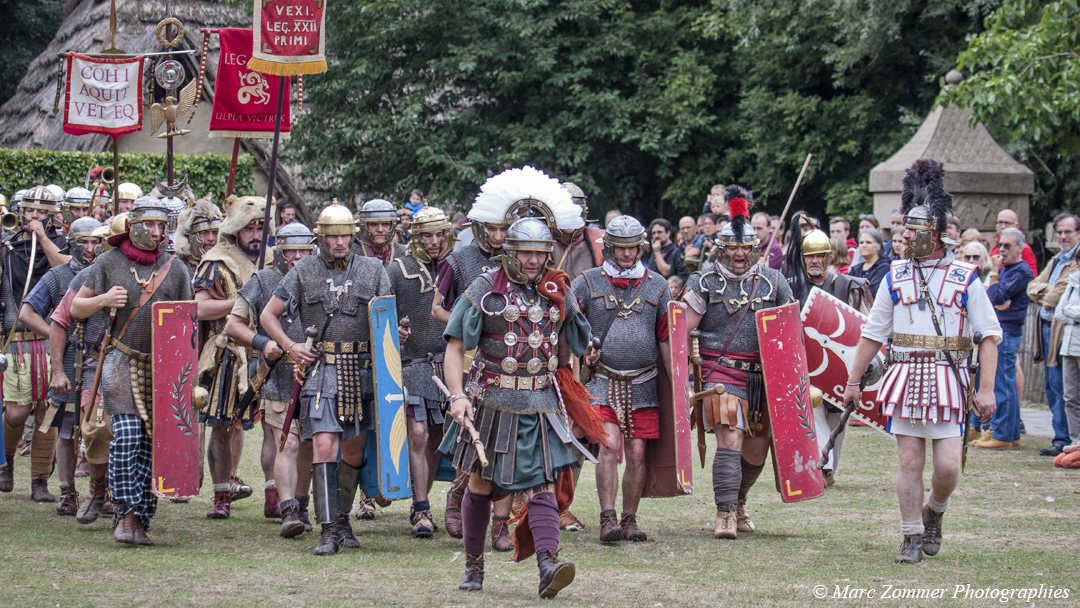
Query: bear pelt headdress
x=924, y=184
x=202, y=209
x=241, y=211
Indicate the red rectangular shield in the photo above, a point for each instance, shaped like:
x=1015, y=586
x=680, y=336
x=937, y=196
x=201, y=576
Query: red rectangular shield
x=787, y=387
x=669, y=459
x=832, y=330
x=176, y=423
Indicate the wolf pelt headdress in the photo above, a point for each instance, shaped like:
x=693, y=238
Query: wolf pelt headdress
x=241, y=211
x=202, y=208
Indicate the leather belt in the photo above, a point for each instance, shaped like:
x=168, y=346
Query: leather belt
x=744, y=366
x=637, y=376
x=518, y=383
x=127, y=350
x=344, y=348
x=428, y=359
x=25, y=336
x=920, y=356
x=931, y=342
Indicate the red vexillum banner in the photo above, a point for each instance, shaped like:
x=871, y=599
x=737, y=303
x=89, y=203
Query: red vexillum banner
x=290, y=37
x=245, y=100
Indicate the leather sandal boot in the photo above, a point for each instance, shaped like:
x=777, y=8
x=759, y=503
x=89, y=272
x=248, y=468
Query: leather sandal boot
x=7, y=476
x=500, y=534
x=290, y=520
x=931, y=538
x=222, y=506
x=473, y=580
x=726, y=524
x=305, y=517
x=452, y=518
x=138, y=533
x=271, y=510
x=910, y=550
x=69, y=501
x=554, y=575
x=630, y=529
x=343, y=534
x=107, y=507
x=91, y=508
x=610, y=531
x=326, y=545
x=745, y=523
x=124, y=532
x=39, y=490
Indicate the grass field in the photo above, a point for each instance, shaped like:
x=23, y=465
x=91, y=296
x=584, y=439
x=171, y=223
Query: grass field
x=1014, y=522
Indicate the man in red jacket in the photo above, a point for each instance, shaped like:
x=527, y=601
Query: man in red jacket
x=1008, y=219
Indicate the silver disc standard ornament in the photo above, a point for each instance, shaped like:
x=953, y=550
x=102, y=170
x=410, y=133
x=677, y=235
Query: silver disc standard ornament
x=169, y=74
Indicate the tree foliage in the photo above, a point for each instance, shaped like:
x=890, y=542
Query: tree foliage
x=26, y=29
x=1024, y=72
x=646, y=105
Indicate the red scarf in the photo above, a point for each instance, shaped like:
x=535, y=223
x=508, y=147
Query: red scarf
x=625, y=283
x=139, y=256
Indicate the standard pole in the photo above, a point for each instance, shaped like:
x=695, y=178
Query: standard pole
x=232, y=166
x=783, y=215
x=116, y=175
x=273, y=172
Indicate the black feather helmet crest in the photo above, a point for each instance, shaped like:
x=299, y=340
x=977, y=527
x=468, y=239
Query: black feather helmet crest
x=926, y=206
x=738, y=231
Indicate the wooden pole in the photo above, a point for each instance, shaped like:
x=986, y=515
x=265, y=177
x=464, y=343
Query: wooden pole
x=783, y=216
x=116, y=176
x=273, y=172
x=232, y=166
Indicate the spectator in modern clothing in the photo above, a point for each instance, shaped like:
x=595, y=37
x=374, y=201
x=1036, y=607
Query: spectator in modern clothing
x=839, y=228
x=1007, y=219
x=975, y=253
x=675, y=286
x=706, y=241
x=896, y=219
x=896, y=244
x=873, y=266
x=778, y=229
x=1046, y=291
x=687, y=233
x=664, y=257
x=416, y=202
x=714, y=203
x=868, y=220
x=775, y=257
x=288, y=214
x=973, y=235
x=1008, y=293
x=614, y=213
x=953, y=229
x=1067, y=313
x=841, y=258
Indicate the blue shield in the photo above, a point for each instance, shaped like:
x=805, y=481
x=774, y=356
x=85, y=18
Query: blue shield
x=386, y=473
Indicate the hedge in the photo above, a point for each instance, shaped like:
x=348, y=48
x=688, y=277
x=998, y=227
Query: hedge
x=21, y=169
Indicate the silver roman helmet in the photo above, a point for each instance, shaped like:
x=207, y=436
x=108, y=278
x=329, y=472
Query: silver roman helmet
x=147, y=209
x=294, y=236
x=375, y=210
x=623, y=231
x=926, y=206
x=82, y=227
x=76, y=198
x=526, y=234
x=738, y=231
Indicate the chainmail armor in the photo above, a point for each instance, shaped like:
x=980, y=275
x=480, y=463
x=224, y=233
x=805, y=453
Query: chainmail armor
x=468, y=264
x=257, y=293
x=414, y=285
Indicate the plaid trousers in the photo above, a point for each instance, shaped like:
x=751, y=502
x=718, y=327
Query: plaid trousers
x=130, y=472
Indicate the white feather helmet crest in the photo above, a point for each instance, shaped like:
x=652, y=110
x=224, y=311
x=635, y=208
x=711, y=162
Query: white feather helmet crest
x=517, y=193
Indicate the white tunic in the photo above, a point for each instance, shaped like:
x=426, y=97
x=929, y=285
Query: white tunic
x=927, y=399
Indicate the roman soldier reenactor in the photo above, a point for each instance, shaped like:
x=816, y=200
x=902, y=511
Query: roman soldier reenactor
x=130, y=279
x=722, y=301
x=377, y=219
x=292, y=467
x=526, y=324
x=331, y=291
x=26, y=254
x=462, y=267
x=412, y=279
x=627, y=305
x=810, y=264
x=38, y=305
x=221, y=273
x=77, y=204
x=931, y=309
x=197, y=232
